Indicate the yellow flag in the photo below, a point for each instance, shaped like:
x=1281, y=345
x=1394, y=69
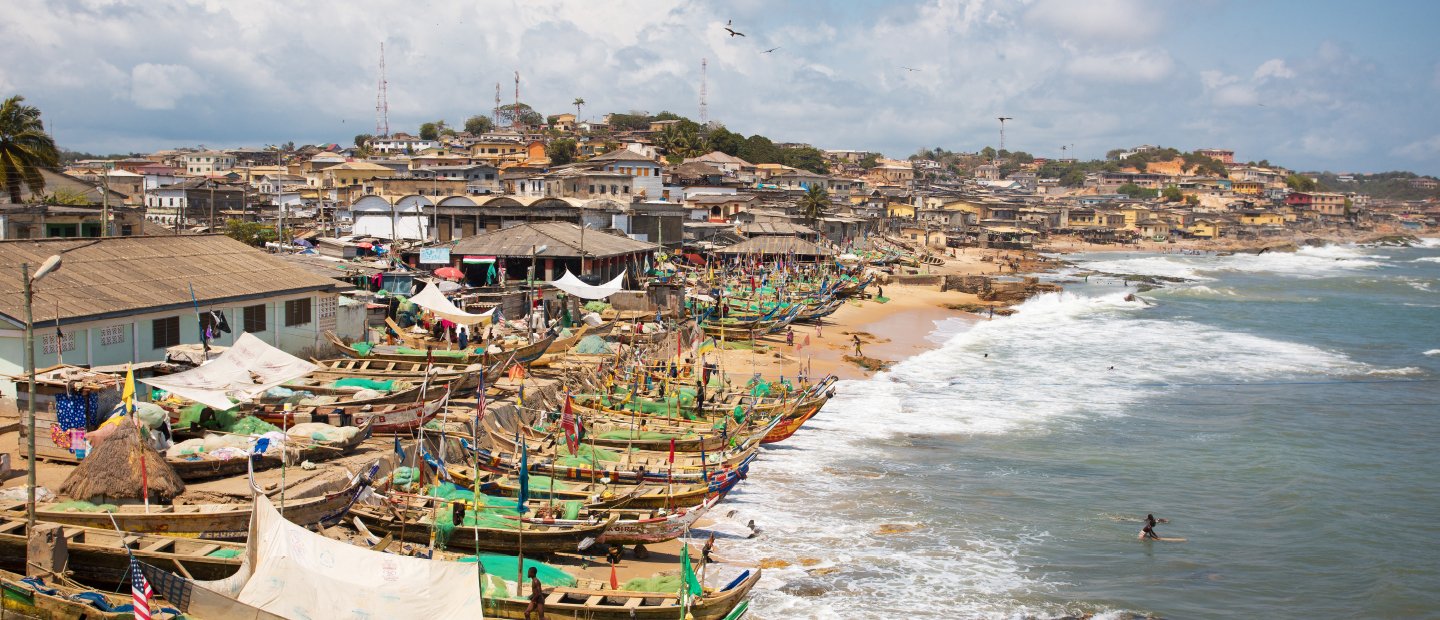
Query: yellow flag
x=128, y=395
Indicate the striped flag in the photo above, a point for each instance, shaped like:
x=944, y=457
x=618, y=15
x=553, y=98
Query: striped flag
x=480, y=400
x=140, y=591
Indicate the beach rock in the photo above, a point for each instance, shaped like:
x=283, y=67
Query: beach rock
x=805, y=587
x=773, y=563
x=896, y=528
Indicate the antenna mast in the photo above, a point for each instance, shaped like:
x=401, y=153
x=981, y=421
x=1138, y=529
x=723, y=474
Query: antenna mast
x=496, y=117
x=382, y=103
x=515, y=113
x=1002, y=136
x=704, y=107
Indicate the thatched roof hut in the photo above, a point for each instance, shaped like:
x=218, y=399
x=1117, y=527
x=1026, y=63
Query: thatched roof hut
x=111, y=472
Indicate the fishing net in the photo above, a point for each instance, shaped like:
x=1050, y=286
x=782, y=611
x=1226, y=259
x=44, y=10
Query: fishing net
x=225, y=553
x=598, y=307
x=83, y=506
x=250, y=425
x=585, y=456
x=404, y=476
x=363, y=348
x=660, y=583
x=361, y=382
x=190, y=416
x=497, y=564
x=448, y=354
x=593, y=345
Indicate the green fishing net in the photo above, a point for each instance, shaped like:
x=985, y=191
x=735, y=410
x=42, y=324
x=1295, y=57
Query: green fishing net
x=363, y=348
x=82, y=506
x=593, y=345
x=629, y=435
x=225, y=553
x=660, y=583
x=502, y=565
x=361, y=382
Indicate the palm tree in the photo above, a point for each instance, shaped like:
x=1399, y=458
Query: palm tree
x=579, y=101
x=815, y=204
x=681, y=141
x=25, y=148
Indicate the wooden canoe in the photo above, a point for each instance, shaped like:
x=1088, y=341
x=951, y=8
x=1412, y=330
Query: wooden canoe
x=522, y=355
x=215, y=521
x=625, y=605
x=313, y=451
x=413, y=524
x=386, y=419
x=98, y=556
x=55, y=602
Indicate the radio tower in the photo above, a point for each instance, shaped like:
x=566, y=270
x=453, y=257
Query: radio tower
x=704, y=108
x=382, y=104
x=515, y=112
x=496, y=117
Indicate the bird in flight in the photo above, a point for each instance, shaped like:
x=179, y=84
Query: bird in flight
x=734, y=33
x=769, y=50
x=908, y=68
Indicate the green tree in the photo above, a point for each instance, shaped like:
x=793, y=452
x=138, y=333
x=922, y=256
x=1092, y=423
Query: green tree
x=1300, y=183
x=805, y=158
x=759, y=150
x=251, y=233
x=1192, y=200
x=988, y=153
x=362, y=140
x=526, y=115
x=681, y=140
x=429, y=131
x=25, y=148
x=561, y=151
x=62, y=196
x=550, y=120
x=872, y=159
x=1172, y=194
x=814, y=204
x=631, y=121
x=1135, y=191
x=578, y=103
x=666, y=115
x=479, y=124
x=725, y=141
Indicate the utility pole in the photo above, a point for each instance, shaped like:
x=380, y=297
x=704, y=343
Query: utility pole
x=105, y=202
x=1002, y=138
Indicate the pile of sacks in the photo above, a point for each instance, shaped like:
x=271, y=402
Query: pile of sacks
x=224, y=447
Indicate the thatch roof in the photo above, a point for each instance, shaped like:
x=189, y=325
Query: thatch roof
x=111, y=471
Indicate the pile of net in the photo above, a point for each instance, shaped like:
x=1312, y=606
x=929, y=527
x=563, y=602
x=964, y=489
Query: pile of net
x=594, y=345
x=658, y=583
x=83, y=506
x=498, y=565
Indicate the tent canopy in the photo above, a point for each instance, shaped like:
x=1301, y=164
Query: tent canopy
x=242, y=372
x=433, y=300
x=572, y=285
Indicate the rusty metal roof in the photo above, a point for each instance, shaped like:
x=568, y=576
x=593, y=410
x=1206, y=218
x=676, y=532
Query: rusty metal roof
x=121, y=276
x=562, y=238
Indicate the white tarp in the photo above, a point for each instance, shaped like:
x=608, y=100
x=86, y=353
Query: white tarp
x=292, y=572
x=572, y=285
x=242, y=372
x=433, y=300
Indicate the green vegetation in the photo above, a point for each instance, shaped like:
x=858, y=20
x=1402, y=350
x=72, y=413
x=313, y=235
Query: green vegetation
x=872, y=160
x=1394, y=185
x=509, y=113
x=815, y=204
x=1172, y=194
x=250, y=233
x=429, y=131
x=479, y=124
x=681, y=140
x=65, y=197
x=25, y=148
x=725, y=141
x=1135, y=191
x=561, y=151
x=631, y=121
x=1301, y=183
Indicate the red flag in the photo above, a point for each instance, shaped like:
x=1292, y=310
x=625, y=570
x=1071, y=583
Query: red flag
x=614, y=579
x=571, y=427
x=807, y=340
x=672, y=451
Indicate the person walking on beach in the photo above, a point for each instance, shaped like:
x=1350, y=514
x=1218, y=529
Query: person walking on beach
x=537, y=597
x=857, y=345
x=789, y=336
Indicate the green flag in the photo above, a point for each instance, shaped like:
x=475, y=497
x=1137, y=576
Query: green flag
x=690, y=585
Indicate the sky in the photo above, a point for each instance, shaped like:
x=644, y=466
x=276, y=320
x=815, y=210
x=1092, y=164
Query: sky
x=1312, y=85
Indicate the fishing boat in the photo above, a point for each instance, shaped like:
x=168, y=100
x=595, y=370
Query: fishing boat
x=215, y=521
x=385, y=419
x=199, y=468
x=523, y=354
x=414, y=523
x=101, y=557
x=34, y=598
x=644, y=495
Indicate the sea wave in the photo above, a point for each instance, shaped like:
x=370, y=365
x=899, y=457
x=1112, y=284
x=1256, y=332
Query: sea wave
x=1427, y=259
x=1307, y=262
x=1396, y=372
x=1433, y=352
x=1429, y=242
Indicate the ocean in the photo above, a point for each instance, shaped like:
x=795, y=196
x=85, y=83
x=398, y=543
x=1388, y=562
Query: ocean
x=1281, y=410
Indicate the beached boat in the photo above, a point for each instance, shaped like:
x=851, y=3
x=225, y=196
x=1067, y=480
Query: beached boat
x=216, y=521
x=43, y=600
x=413, y=523
x=199, y=468
x=101, y=557
x=386, y=419
x=523, y=354
x=645, y=495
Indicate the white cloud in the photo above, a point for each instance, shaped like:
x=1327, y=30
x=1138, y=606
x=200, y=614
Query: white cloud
x=1098, y=20
x=1135, y=66
x=1423, y=150
x=160, y=87
x=1274, y=68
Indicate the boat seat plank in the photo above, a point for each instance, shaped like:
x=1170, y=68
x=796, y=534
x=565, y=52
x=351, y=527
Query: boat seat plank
x=11, y=526
x=554, y=597
x=158, y=545
x=206, y=550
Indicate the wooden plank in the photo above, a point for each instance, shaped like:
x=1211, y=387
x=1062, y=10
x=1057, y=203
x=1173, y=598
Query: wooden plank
x=158, y=546
x=181, y=567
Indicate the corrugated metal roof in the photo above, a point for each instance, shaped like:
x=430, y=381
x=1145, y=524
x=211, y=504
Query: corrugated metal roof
x=562, y=237
x=777, y=245
x=132, y=275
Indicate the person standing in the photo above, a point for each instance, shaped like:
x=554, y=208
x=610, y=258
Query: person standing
x=537, y=597
x=857, y=345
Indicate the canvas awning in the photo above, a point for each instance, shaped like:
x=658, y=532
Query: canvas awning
x=572, y=285
x=433, y=300
x=242, y=372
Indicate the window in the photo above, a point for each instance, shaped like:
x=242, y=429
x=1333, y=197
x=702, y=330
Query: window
x=115, y=334
x=327, y=307
x=165, y=332
x=297, y=312
x=254, y=317
x=49, y=343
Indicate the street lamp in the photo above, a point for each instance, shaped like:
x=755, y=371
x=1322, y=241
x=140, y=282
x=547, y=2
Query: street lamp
x=50, y=265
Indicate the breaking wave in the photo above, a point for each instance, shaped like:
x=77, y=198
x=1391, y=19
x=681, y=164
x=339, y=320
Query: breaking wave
x=1307, y=262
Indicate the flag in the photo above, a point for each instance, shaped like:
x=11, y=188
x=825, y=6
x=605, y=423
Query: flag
x=689, y=584
x=127, y=395
x=399, y=450
x=479, y=399
x=571, y=426
x=707, y=346
x=614, y=579
x=671, y=460
x=524, y=495
x=140, y=591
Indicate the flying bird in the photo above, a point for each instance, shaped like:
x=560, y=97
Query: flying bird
x=769, y=50
x=734, y=33
x=908, y=68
